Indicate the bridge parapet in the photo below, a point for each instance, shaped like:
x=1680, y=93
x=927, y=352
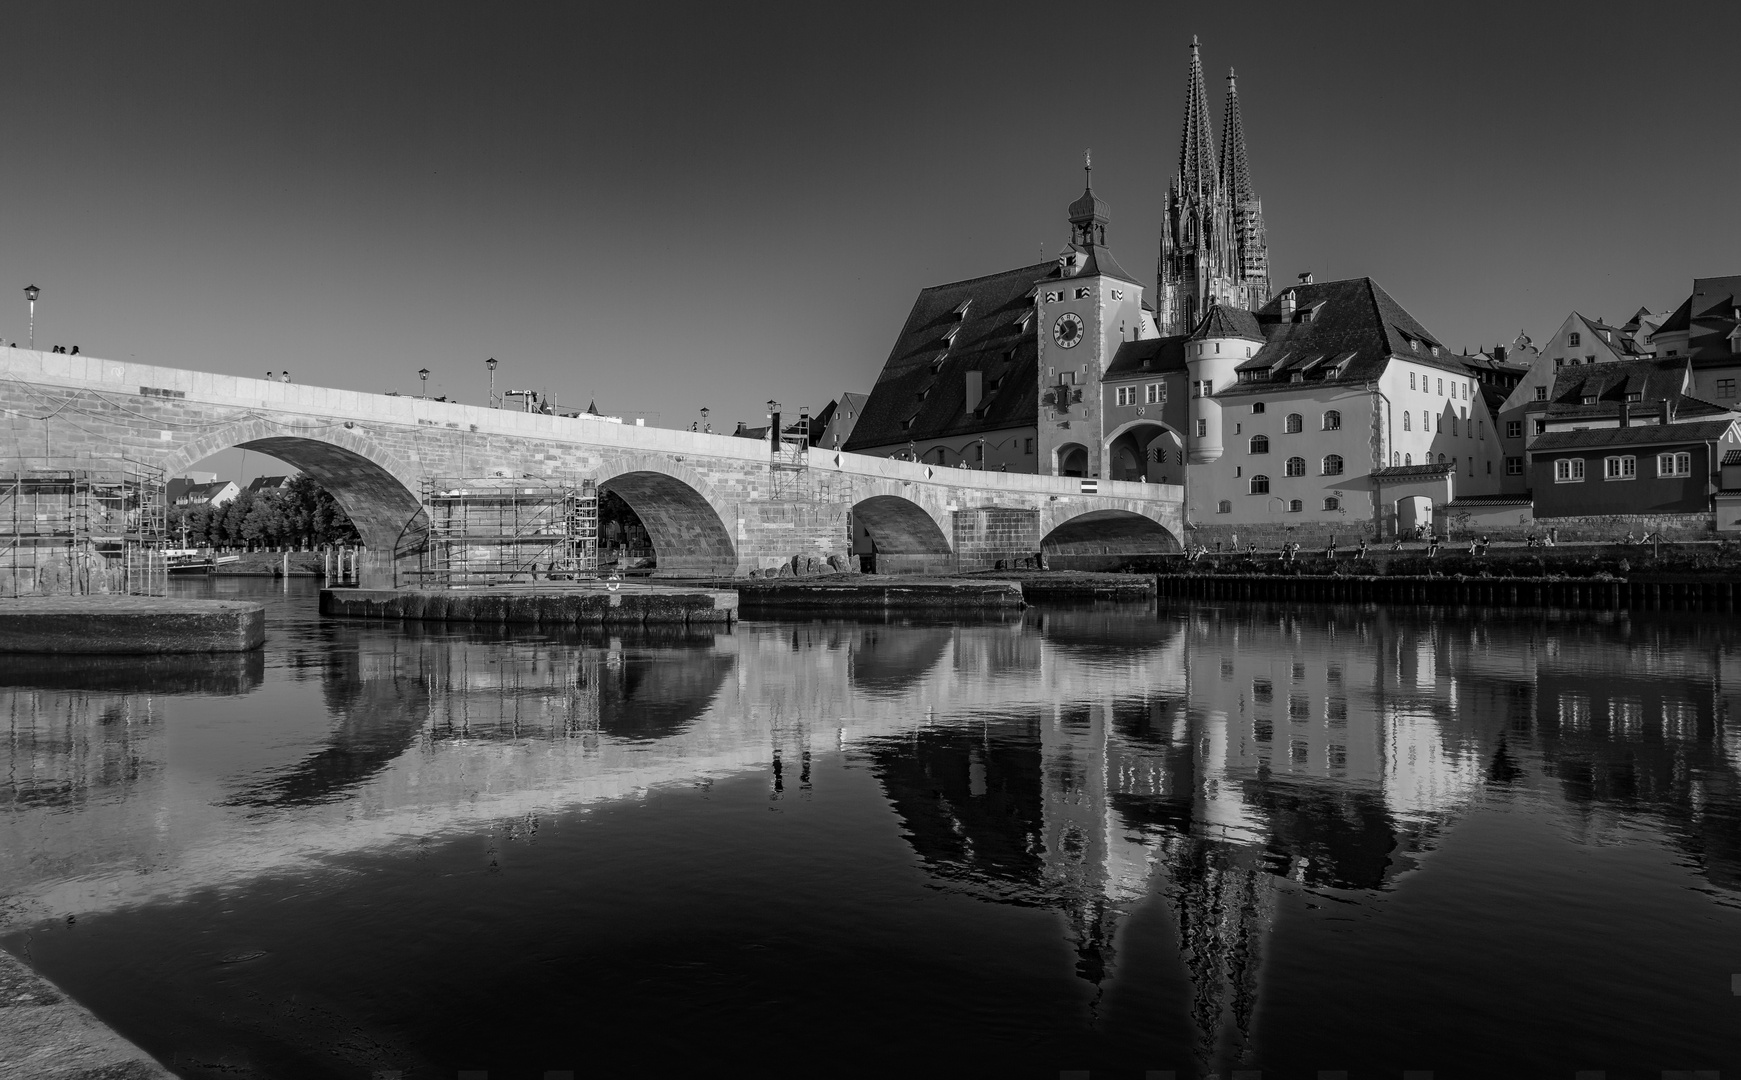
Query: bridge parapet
x=716, y=503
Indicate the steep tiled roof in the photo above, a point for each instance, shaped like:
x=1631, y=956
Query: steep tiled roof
x=1338, y=332
x=924, y=379
x=1488, y=500
x=1714, y=302
x=1636, y=435
x=1732, y=457
x=1224, y=321
x=1146, y=357
x=1653, y=380
x=1682, y=319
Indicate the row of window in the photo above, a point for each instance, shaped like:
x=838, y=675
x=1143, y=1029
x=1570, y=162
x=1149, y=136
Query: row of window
x=1623, y=467
x=1295, y=506
x=1259, y=485
x=1295, y=423
x=1259, y=443
x=1153, y=394
x=1462, y=389
x=1399, y=458
x=1329, y=465
x=1470, y=430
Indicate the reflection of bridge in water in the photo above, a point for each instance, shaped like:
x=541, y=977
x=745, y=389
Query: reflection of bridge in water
x=1108, y=759
x=711, y=504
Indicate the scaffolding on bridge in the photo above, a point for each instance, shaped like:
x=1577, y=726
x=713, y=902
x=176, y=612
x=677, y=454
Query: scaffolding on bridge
x=83, y=530
x=495, y=531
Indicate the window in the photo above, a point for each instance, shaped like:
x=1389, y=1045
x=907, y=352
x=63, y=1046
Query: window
x=1296, y=466
x=1332, y=421
x=1027, y=446
x=1725, y=388
x=1574, y=339
x=1260, y=485
x=1568, y=470
x=1201, y=388
x=1295, y=423
x=1396, y=457
x=1332, y=503
x=1514, y=429
x=1588, y=399
x=1426, y=420
x=1674, y=464
x=1260, y=444
x=1332, y=464
x=1541, y=425
x=1441, y=388
x=1407, y=421
x=1408, y=459
x=979, y=451
x=1541, y=393
x=1411, y=380
x=1157, y=394
x=1127, y=395
x=1514, y=466
x=1635, y=396
x=1619, y=468
x=1295, y=506
x=1225, y=506
x=1257, y=407
x=1453, y=425
x=1441, y=459
x=1202, y=429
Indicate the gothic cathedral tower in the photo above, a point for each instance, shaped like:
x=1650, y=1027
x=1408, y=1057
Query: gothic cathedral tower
x=1213, y=248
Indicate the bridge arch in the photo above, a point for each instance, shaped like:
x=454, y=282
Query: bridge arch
x=685, y=518
x=374, y=487
x=1103, y=539
x=907, y=539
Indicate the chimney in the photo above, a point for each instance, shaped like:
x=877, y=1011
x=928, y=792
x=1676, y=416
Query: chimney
x=975, y=388
x=1499, y=353
x=1306, y=278
x=1668, y=411
x=1625, y=414
x=1288, y=304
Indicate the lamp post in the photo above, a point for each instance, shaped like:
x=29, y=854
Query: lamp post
x=705, y=426
x=423, y=373
x=31, y=292
x=491, y=364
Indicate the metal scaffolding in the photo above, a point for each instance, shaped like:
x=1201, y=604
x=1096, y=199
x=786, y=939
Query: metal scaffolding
x=97, y=528
x=494, y=531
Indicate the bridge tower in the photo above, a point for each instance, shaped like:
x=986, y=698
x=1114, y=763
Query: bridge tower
x=1084, y=309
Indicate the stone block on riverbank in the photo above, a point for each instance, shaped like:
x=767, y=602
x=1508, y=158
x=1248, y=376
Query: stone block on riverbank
x=854, y=592
x=47, y=1034
x=631, y=605
x=129, y=624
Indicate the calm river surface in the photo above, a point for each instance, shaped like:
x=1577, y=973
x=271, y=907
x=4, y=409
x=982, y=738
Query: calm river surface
x=1287, y=838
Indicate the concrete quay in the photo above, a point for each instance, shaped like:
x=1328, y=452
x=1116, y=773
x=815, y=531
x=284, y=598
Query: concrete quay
x=129, y=625
x=45, y=1035
x=629, y=605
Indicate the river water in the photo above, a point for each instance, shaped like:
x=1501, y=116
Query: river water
x=1210, y=838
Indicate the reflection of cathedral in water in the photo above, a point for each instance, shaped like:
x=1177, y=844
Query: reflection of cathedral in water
x=1084, y=763
x=1322, y=749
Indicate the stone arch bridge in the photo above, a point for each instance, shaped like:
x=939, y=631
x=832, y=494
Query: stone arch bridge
x=713, y=505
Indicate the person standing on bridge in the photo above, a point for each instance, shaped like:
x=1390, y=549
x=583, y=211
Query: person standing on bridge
x=284, y=376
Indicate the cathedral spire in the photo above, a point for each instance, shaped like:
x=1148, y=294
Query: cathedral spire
x=1235, y=173
x=1197, y=149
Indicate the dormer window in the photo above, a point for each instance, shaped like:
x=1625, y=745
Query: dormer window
x=961, y=308
x=1635, y=396
x=1588, y=399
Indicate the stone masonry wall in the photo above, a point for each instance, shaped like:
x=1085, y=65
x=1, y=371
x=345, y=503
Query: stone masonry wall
x=713, y=504
x=987, y=534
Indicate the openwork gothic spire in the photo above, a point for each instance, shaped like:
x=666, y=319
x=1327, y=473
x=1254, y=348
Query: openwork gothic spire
x=1213, y=247
x=1235, y=173
x=1197, y=148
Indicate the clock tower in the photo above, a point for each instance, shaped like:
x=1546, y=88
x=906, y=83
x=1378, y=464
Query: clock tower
x=1084, y=309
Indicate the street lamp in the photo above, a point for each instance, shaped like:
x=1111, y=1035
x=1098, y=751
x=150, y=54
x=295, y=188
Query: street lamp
x=32, y=292
x=705, y=426
x=423, y=373
x=491, y=364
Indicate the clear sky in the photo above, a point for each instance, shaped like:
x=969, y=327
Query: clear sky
x=662, y=207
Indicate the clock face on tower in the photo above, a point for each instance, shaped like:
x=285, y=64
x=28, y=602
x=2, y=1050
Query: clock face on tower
x=1067, y=331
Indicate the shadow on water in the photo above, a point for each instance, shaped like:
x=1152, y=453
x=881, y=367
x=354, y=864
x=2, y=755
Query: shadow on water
x=220, y=674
